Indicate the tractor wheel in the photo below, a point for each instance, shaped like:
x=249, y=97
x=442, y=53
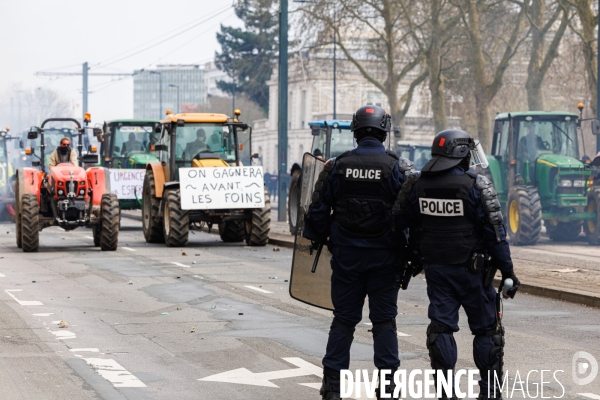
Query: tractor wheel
x=109, y=214
x=592, y=227
x=153, y=231
x=294, y=201
x=258, y=228
x=97, y=233
x=524, y=213
x=30, y=223
x=176, y=222
x=232, y=231
x=563, y=231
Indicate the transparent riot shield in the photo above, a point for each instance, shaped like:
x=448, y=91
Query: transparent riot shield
x=309, y=284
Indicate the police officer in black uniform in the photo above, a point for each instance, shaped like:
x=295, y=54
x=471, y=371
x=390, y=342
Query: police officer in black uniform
x=360, y=190
x=456, y=223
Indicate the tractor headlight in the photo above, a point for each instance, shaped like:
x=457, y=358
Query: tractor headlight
x=565, y=183
x=81, y=192
x=579, y=183
x=60, y=192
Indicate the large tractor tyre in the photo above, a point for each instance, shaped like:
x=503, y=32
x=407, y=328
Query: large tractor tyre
x=97, y=233
x=524, y=214
x=563, y=231
x=153, y=230
x=592, y=227
x=232, y=231
x=176, y=222
x=109, y=214
x=294, y=201
x=259, y=226
x=18, y=230
x=30, y=223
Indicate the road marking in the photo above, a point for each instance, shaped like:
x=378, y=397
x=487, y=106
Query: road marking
x=89, y=237
x=90, y=350
x=128, y=249
x=2, y=275
x=63, y=335
x=402, y=334
x=180, y=264
x=590, y=395
x=257, y=289
x=23, y=302
x=46, y=314
x=245, y=377
x=113, y=372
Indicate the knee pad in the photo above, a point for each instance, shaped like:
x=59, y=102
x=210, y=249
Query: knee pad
x=495, y=365
x=382, y=326
x=346, y=329
x=435, y=353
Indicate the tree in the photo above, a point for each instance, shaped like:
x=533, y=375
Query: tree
x=584, y=27
x=33, y=106
x=373, y=37
x=539, y=63
x=432, y=24
x=247, y=54
x=490, y=58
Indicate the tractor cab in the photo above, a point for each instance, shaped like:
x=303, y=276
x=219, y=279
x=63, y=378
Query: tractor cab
x=129, y=143
x=331, y=138
x=7, y=172
x=418, y=153
x=202, y=140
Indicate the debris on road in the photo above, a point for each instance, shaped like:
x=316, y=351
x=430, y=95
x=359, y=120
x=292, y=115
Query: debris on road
x=272, y=277
x=193, y=329
x=564, y=270
x=130, y=283
x=276, y=249
x=63, y=324
x=184, y=253
x=164, y=313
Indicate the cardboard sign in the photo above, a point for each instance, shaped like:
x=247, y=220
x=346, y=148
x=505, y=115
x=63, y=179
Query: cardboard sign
x=127, y=183
x=222, y=188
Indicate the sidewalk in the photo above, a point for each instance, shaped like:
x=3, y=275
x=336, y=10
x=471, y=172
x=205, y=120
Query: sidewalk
x=565, y=271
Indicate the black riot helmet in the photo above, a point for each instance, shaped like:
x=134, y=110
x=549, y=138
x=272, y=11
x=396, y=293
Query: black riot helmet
x=371, y=121
x=449, y=149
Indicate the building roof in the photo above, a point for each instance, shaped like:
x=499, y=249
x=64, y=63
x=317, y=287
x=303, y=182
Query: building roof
x=344, y=124
x=522, y=114
x=196, y=117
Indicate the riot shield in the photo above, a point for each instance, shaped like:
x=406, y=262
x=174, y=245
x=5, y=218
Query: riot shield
x=306, y=285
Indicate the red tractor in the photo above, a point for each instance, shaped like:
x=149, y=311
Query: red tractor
x=68, y=196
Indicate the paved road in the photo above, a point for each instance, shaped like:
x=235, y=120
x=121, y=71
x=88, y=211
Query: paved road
x=150, y=322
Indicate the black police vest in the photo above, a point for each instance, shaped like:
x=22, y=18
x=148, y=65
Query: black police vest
x=363, y=207
x=447, y=235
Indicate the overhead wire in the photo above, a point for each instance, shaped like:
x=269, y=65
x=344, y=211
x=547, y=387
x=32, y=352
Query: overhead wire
x=164, y=40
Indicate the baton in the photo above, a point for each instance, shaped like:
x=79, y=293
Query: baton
x=316, y=262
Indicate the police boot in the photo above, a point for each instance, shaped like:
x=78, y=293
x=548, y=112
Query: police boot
x=390, y=388
x=484, y=396
x=330, y=388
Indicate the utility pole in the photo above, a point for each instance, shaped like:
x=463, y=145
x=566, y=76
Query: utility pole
x=84, y=105
x=85, y=74
x=334, y=73
x=283, y=111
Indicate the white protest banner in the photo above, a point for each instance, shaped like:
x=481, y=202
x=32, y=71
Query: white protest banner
x=221, y=188
x=126, y=183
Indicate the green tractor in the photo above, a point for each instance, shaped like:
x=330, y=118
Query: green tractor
x=127, y=149
x=536, y=169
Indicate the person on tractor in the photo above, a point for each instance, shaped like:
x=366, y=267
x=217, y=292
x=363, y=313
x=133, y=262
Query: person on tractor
x=63, y=154
x=198, y=145
x=132, y=144
x=420, y=162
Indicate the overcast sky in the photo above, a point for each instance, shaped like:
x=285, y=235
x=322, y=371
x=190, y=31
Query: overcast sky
x=59, y=35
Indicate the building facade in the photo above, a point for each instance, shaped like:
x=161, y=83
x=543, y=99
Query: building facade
x=310, y=98
x=156, y=90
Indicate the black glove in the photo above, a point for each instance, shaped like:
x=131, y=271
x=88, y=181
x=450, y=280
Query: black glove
x=516, y=282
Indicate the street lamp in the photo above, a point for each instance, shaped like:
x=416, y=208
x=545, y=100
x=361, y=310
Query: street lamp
x=176, y=86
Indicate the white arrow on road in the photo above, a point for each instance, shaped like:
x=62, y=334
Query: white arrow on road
x=245, y=377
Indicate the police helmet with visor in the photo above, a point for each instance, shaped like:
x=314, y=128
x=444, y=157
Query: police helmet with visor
x=453, y=147
x=371, y=121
